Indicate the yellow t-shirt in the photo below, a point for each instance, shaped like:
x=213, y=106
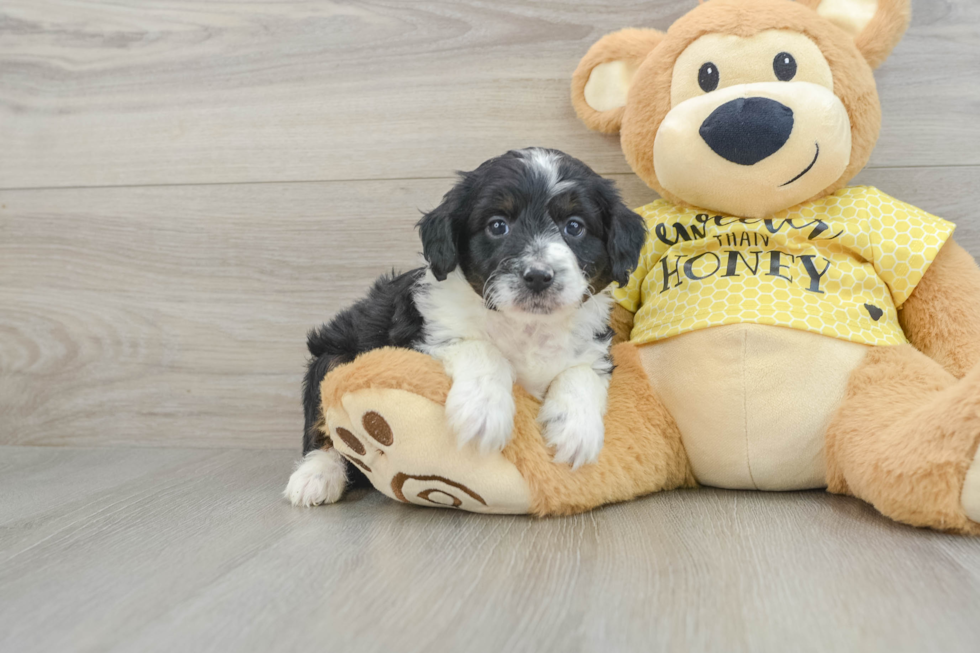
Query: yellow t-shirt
x=841, y=266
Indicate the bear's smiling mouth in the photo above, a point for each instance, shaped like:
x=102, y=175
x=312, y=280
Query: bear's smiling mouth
x=812, y=163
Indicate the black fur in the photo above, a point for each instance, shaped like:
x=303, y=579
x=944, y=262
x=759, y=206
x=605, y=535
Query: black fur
x=387, y=317
x=627, y=233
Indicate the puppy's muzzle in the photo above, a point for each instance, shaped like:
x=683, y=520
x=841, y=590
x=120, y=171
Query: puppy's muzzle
x=538, y=278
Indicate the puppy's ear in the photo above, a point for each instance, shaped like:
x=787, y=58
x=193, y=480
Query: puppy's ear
x=625, y=234
x=438, y=230
x=602, y=80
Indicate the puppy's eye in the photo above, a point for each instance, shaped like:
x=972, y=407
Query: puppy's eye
x=498, y=227
x=708, y=77
x=784, y=65
x=574, y=228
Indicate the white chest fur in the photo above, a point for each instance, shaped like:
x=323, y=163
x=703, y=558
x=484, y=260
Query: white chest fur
x=538, y=347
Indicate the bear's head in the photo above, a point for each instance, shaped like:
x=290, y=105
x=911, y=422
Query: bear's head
x=745, y=107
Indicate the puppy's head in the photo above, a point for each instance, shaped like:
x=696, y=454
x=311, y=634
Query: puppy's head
x=533, y=231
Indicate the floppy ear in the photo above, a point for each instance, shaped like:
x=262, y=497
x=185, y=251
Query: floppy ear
x=625, y=234
x=876, y=25
x=603, y=77
x=438, y=230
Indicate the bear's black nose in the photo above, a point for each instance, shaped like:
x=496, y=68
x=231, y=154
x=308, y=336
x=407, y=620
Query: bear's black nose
x=747, y=130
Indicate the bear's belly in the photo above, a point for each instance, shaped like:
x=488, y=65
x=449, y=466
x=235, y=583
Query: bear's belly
x=753, y=402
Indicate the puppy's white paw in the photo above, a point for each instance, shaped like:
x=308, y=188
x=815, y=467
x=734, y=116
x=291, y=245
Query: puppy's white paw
x=571, y=417
x=320, y=478
x=481, y=411
x=576, y=433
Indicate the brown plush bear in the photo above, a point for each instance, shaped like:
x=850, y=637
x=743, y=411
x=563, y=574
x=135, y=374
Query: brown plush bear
x=785, y=331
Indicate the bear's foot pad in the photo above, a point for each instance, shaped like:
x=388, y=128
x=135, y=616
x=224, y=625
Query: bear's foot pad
x=402, y=444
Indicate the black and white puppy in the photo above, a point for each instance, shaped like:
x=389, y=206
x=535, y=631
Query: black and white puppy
x=519, y=255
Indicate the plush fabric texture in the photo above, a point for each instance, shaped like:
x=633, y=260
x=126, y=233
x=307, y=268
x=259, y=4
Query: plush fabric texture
x=389, y=368
x=401, y=442
x=942, y=316
x=850, y=15
x=649, y=96
x=880, y=36
x=628, y=45
x=752, y=402
x=905, y=437
x=971, y=490
x=754, y=144
x=609, y=84
x=699, y=156
x=642, y=452
x=621, y=322
x=744, y=60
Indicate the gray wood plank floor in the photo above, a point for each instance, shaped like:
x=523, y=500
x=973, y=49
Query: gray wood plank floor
x=186, y=186
x=193, y=550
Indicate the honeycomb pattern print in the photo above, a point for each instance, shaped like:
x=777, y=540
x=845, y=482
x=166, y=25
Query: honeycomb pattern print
x=841, y=266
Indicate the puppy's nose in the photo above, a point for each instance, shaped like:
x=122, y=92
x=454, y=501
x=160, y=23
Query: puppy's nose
x=538, y=278
x=747, y=130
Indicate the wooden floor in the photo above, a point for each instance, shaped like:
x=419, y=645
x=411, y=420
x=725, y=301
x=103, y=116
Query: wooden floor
x=191, y=549
x=186, y=186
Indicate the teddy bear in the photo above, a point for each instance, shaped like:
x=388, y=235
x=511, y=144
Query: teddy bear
x=782, y=330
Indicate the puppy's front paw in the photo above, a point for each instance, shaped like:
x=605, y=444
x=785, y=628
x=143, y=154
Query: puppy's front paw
x=573, y=426
x=481, y=411
x=320, y=478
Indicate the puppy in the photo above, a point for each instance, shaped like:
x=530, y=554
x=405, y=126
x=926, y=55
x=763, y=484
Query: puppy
x=519, y=255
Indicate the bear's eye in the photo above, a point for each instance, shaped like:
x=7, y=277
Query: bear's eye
x=784, y=65
x=708, y=77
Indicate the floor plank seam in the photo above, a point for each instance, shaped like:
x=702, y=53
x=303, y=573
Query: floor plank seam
x=375, y=180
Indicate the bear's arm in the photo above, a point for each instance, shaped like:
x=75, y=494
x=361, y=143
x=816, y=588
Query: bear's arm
x=621, y=322
x=941, y=318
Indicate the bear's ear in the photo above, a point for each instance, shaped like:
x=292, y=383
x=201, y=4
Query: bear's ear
x=876, y=25
x=603, y=77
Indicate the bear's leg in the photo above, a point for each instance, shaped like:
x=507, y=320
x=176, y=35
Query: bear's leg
x=385, y=413
x=642, y=452
x=904, y=440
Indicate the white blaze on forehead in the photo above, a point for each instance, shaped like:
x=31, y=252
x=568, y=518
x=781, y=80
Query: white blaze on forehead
x=546, y=164
x=552, y=250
